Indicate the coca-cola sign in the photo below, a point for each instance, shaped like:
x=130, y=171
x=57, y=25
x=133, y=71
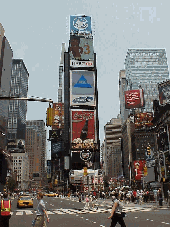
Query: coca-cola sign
x=83, y=129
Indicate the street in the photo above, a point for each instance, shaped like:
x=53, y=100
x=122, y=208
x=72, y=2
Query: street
x=70, y=212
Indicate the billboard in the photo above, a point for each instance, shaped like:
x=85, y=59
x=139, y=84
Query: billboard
x=81, y=48
x=83, y=129
x=82, y=88
x=16, y=143
x=164, y=92
x=134, y=99
x=139, y=167
x=80, y=25
x=81, y=64
x=56, y=149
x=55, y=135
x=58, y=116
x=143, y=119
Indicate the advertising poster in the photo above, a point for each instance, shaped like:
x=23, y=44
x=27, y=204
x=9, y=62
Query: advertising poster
x=82, y=129
x=58, y=115
x=139, y=168
x=80, y=25
x=81, y=48
x=82, y=88
x=164, y=92
x=143, y=119
x=56, y=149
x=134, y=99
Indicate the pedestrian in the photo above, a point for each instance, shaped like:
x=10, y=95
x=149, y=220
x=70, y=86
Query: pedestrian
x=41, y=211
x=87, y=204
x=168, y=197
x=5, y=210
x=160, y=197
x=116, y=214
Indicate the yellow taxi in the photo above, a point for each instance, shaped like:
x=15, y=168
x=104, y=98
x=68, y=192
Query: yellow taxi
x=25, y=201
x=51, y=194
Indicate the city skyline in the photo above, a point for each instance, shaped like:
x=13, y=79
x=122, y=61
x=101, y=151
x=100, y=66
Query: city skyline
x=118, y=27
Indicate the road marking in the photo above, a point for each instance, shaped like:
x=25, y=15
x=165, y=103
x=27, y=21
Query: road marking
x=28, y=212
x=136, y=217
x=151, y=220
x=19, y=213
x=49, y=212
x=163, y=222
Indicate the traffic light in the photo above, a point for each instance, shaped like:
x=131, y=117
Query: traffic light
x=149, y=150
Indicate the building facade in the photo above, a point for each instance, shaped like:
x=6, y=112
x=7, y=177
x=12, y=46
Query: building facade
x=112, y=143
x=5, y=78
x=144, y=69
x=20, y=168
x=36, y=147
x=18, y=108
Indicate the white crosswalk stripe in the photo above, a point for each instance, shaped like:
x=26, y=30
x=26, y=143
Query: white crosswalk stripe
x=76, y=212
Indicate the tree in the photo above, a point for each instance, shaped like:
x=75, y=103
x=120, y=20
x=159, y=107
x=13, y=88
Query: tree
x=11, y=184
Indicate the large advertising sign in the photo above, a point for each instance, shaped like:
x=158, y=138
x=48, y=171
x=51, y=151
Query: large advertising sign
x=134, y=99
x=82, y=88
x=81, y=64
x=81, y=48
x=56, y=149
x=58, y=116
x=140, y=168
x=55, y=135
x=17, y=143
x=164, y=92
x=80, y=25
x=83, y=129
x=143, y=119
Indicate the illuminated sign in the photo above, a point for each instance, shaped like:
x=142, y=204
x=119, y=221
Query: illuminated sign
x=82, y=88
x=143, y=119
x=139, y=169
x=81, y=48
x=134, y=99
x=81, y=64
x=82, y=129
x=58, y=115
x=80, y=24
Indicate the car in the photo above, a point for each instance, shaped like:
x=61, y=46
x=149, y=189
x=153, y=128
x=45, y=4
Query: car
x=51, y=194
x=25, y=201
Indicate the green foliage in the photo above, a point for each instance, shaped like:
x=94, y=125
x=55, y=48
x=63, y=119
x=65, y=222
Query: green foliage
x=11, y=184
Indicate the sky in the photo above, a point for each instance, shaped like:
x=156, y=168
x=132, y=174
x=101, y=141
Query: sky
x=37, y=29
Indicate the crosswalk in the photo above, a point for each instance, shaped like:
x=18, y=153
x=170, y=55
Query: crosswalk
x=77, y=212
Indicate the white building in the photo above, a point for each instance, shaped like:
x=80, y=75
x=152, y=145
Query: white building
x=20, y=168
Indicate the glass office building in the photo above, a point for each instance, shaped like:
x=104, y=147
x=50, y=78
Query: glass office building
x=145, y=68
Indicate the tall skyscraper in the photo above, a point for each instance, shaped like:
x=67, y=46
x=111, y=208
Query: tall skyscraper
x=5, y=78
x=36, y=146
x=145, y=68
x=18, y=108
x=81, y=129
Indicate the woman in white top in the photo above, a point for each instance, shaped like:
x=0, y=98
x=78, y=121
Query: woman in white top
x=116, y=213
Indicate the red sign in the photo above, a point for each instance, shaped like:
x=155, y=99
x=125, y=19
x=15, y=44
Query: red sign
x=83, y=127
x=139, y=168
x=134, y=99
x=143, y=119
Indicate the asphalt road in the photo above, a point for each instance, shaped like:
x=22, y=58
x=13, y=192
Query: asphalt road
x=63, y=212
